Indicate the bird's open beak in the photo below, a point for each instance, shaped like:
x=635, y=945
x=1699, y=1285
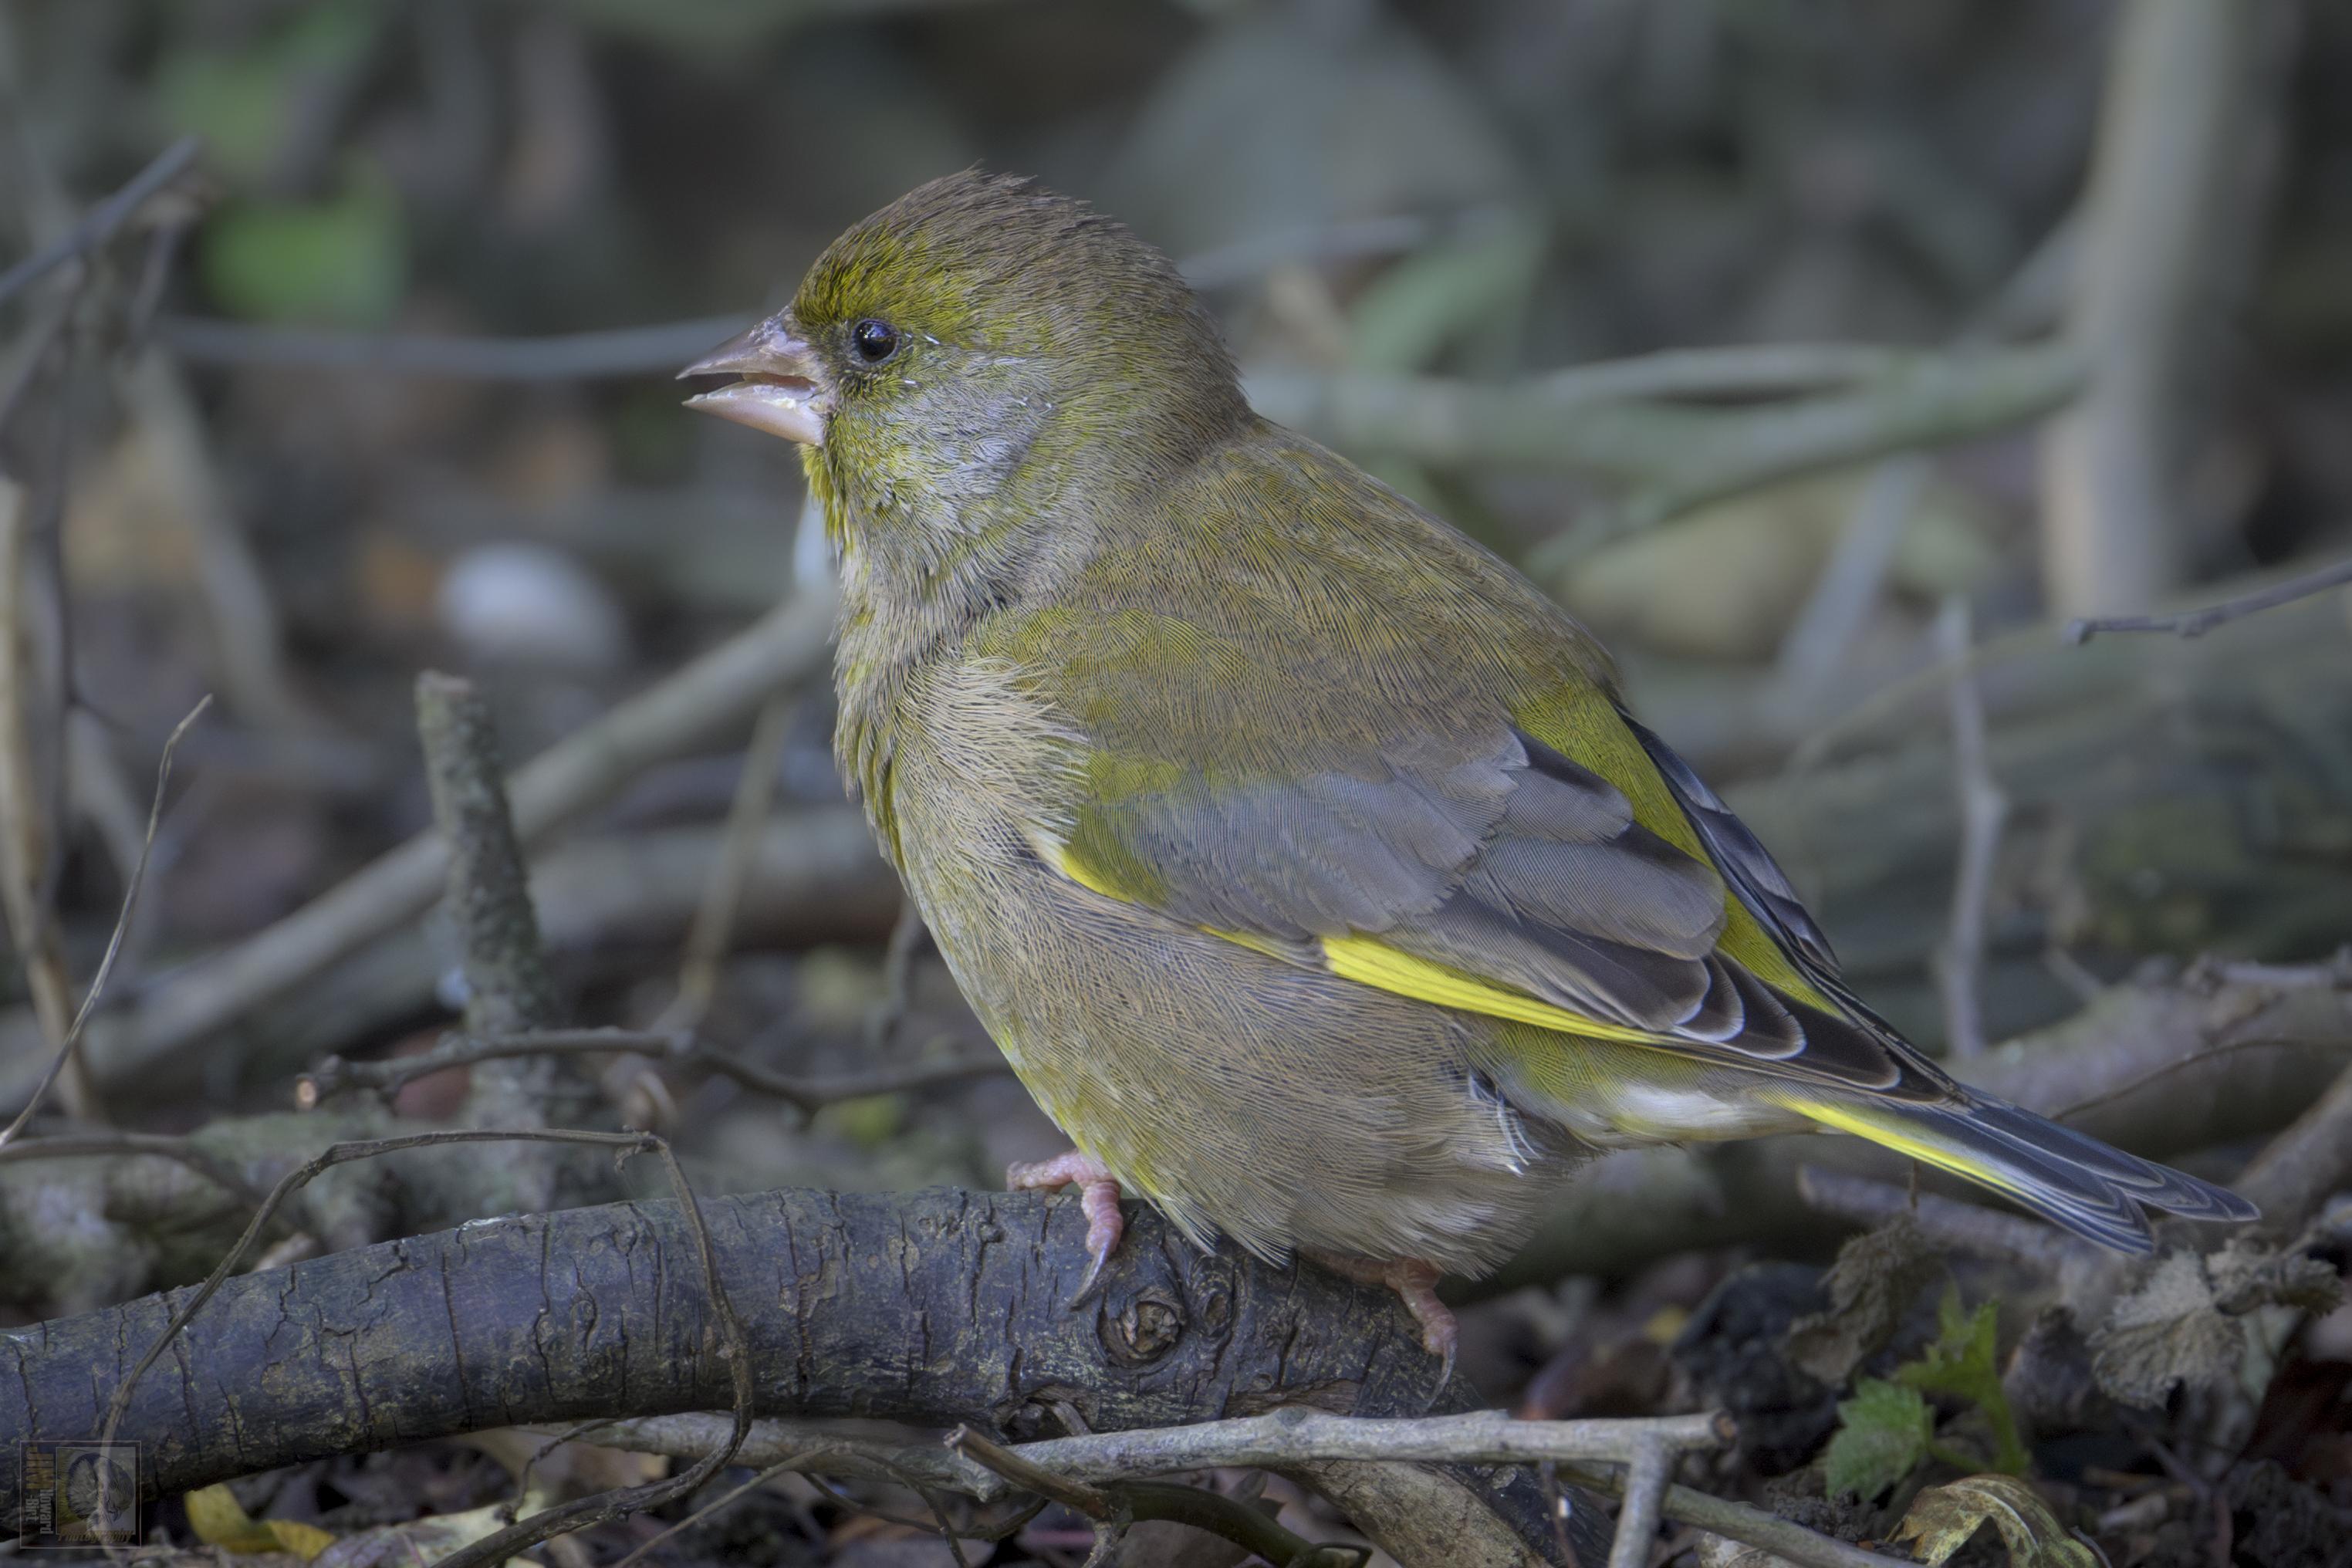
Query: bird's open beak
x=780, y=387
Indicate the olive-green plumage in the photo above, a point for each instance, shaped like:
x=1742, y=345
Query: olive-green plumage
x=1296, y=851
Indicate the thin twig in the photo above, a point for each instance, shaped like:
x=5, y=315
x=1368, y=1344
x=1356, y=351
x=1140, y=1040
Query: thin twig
x=100, y=224
x=231, y=588
x=1123, y=1503
x=1281, y=1437
x=132, y=1145
x=1030, y=1476
x=1294, y=1435
x=1751, y=1526
x=661, y=347
x=1984, y=810
x=1685, y=456
x=1645, y=1496
x=567, y=356
x=114, y=942
x=883, y=1020
x=1485, y=1438
x=1739, y=369
x=29, y=825
x=1965, y=1227
x=35, y=347
x=791, y=1462
x=773, y=1441
x=712, y=933
x=723, y=687
x=2197, y=623
x=334, y=1076
x=2158, y=1075
x=1836, y=611
x=1672, y=459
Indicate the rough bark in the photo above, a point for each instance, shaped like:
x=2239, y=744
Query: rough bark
x=932, y=1308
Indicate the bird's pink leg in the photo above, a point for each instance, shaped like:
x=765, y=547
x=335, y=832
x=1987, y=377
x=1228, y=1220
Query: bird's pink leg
x=1415, y=1284
x=1098, y=1200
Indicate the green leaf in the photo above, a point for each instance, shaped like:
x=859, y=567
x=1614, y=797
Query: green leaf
x=244, y=102
x=1963, y=1363
x=1942, y=1518
x=1470, y=290
x=341, y=261
x=1883, y=1433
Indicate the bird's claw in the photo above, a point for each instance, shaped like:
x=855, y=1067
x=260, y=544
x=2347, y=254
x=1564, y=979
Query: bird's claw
x=1098, y=1200
x=1415, y=1284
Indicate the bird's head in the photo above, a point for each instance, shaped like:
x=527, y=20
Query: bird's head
x=980, y=347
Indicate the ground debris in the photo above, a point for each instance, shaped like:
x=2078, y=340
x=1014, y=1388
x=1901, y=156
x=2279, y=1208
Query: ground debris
x=1876, y=1278
x=2182, y=1325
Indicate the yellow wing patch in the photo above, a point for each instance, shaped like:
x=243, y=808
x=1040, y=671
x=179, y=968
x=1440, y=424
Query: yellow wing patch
x=1370, y=961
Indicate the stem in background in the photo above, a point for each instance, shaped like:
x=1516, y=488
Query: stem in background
x=335, y=1075
x=2197, y=623
x=586, y=768
x=2304, y=1165
x=29, y=834
x=66, y=1058
x=100, y=224
x=2166, y=221
x=489, y=895
x=1984, y=810
x=713, y=931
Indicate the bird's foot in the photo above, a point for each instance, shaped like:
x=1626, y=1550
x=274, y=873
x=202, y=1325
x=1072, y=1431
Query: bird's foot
x=1098, y=1200
x=1415, y=1284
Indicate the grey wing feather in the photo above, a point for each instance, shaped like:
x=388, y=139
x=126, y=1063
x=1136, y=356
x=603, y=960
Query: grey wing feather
x=1508, y=860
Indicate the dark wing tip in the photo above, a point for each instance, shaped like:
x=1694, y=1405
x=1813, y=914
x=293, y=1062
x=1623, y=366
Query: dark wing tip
x=2143, y=1180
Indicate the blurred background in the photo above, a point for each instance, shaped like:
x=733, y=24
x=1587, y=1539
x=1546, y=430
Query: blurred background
x=1827, y=359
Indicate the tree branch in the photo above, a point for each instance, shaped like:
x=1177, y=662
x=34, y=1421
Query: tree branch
x=1676, y=457
x=933, y=1308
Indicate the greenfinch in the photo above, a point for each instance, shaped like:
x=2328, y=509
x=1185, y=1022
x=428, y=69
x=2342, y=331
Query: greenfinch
x=1302, y=857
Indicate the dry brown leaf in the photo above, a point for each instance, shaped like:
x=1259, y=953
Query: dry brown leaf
x=1942, y=1518
x=1876, y=1279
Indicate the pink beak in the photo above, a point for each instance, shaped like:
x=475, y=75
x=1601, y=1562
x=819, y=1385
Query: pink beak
x=781, y=385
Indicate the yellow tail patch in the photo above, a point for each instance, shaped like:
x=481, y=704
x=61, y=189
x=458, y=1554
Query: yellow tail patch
x=1888, y=1132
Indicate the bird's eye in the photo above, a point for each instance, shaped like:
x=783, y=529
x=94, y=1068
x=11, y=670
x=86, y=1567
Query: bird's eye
x=874, y=340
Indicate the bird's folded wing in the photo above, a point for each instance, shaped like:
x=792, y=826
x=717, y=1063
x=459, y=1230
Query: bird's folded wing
x=1497, y=875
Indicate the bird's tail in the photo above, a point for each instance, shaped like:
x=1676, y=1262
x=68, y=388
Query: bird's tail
x=2069, y=1178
